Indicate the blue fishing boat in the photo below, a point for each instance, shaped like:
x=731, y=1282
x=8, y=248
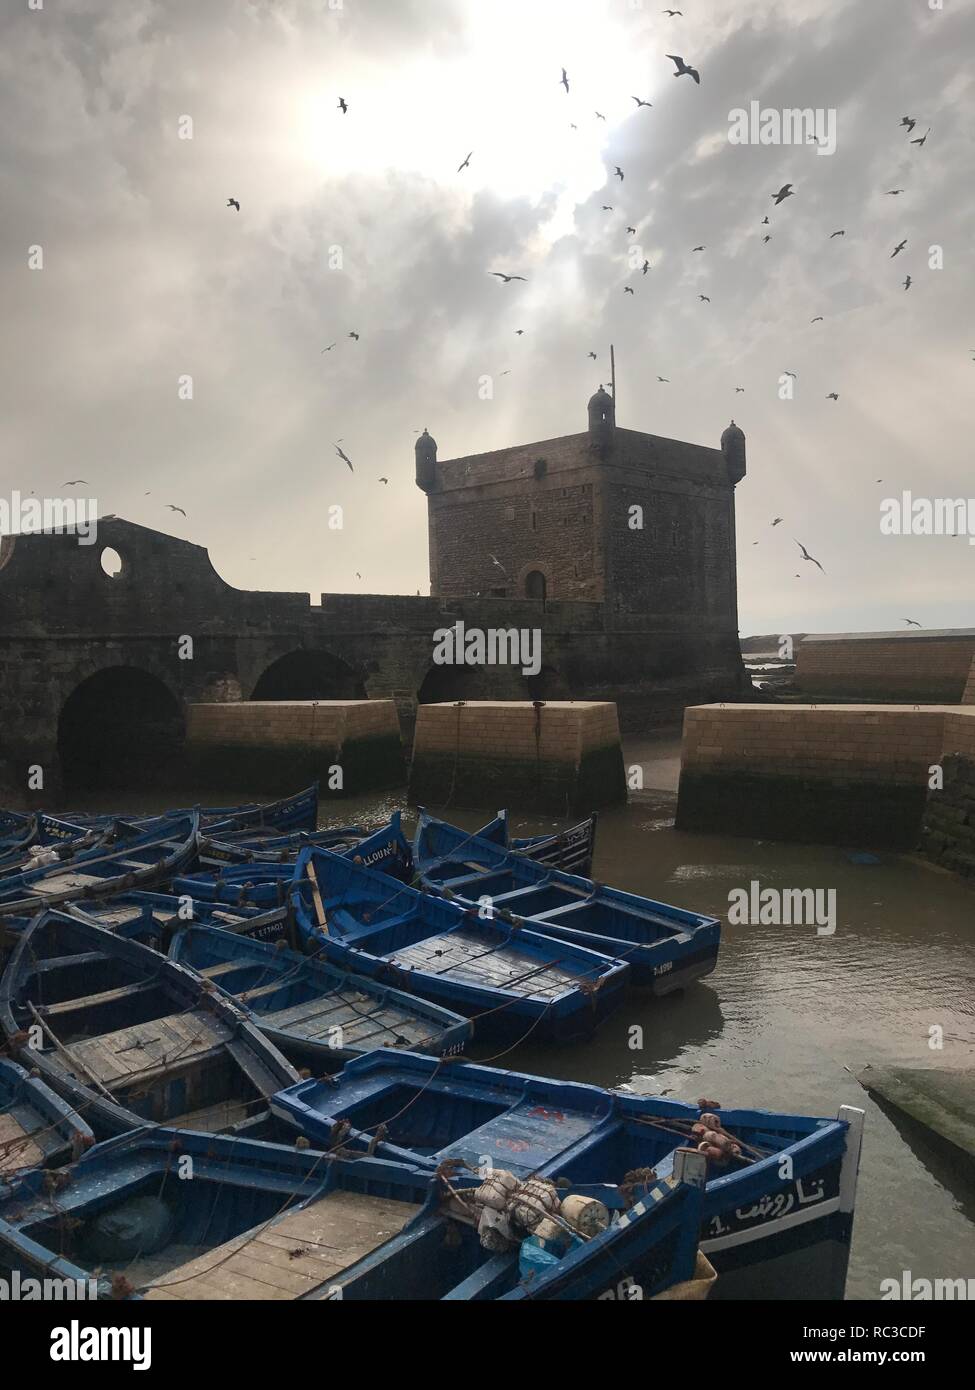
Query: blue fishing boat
x=510, y=981
x=123, y=861
x=248, y=846
x=127, y=1036
x=154, y=918
x=778, y=1209
x=264, y=1222
x=572, y=849
x=316, y=1014
x=666, y=947
x=37, y=1128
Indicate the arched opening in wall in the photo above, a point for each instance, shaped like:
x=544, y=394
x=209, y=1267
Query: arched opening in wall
x=309, y=675
x=548, y=684
x=535, y=585
x=119, y=728
x=111, y=562
x=448, y=683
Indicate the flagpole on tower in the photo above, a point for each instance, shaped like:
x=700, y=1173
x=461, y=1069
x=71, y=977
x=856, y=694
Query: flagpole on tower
x=612, y=373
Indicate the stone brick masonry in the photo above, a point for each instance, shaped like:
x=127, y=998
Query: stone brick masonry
x=844, y=774
x=276, y=745
x=928, y=667
x=562, y=757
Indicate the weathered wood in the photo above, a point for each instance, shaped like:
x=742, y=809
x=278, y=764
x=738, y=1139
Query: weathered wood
x=294, y=1254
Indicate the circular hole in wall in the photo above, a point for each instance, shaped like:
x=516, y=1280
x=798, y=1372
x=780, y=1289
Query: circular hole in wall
x=111, y=562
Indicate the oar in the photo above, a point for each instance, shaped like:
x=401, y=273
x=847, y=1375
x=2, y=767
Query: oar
x=317, y=897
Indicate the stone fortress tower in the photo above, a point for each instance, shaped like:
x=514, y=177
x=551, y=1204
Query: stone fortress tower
x=642, y=525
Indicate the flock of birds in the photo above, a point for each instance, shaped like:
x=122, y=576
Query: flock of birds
x=779, y=197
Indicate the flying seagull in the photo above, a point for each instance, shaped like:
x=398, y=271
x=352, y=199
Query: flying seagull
x=519, y=332
x=593, y=356
x=683, y=68
x=344, y=457
x=739, y=390
x=794, y=375
x=907, y=283
x=627, y=290
x=175, y=509
x=495, y=561
x=776, y=521
x=923, y=139
x=766, y=239
x=465, y=163
x=784, y=192
x=765, y=222
x=645, y=267
x=619, y=173
x=632, y=230
x=329, y=348
x=672, y=13
x=506, y=278
x=354, y=335
x=600, y=116
x=343, y=105
x=832, y=396
x=897, y=249
x=382, y=480
x=76, y=482
x=910, y=622
x=565, y=81
x=893, y=192
x=664, y=379
x=841, y=232
x=233, y=203
x=910, y=122
x=639, y=102
x=704, y=299
x=698, y=248
x=607, y=207
x=806, y=555
x=818, y=319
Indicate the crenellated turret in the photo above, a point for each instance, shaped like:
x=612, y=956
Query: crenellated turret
x=733, y=448
x=426, y=463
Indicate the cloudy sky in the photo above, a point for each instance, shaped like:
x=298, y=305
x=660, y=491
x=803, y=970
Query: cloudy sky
x=148, y=276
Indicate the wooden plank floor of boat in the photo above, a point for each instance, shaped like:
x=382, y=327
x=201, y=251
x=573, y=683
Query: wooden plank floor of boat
x=294, y=1254
x=16, y=1149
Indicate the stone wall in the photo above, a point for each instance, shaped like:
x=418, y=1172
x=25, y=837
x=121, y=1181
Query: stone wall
x=274, y=746
x=850, y=775
x=561, y=757
x=931, y=668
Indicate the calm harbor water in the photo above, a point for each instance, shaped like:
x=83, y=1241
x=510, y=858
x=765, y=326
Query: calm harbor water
x=788, y=1015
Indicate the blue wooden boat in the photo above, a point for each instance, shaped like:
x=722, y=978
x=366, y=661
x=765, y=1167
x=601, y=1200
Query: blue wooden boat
x=154, y=918
x=318, y=1015
x=248, y=846
x=126, y=1223
x=127, y=1036
x=777, y=1218
x=571, y=850
x=48, y=840
x=666, y=947
x=123, y=861
x=37, y=1128
x=299, y=811
x=510, y=981
x=263, y=1222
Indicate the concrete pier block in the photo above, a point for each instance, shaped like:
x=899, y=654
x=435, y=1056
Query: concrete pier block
x=563, y=757
x=273, y=746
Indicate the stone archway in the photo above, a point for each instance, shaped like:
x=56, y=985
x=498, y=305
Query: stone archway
x=309, y=674
x=120, y=727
